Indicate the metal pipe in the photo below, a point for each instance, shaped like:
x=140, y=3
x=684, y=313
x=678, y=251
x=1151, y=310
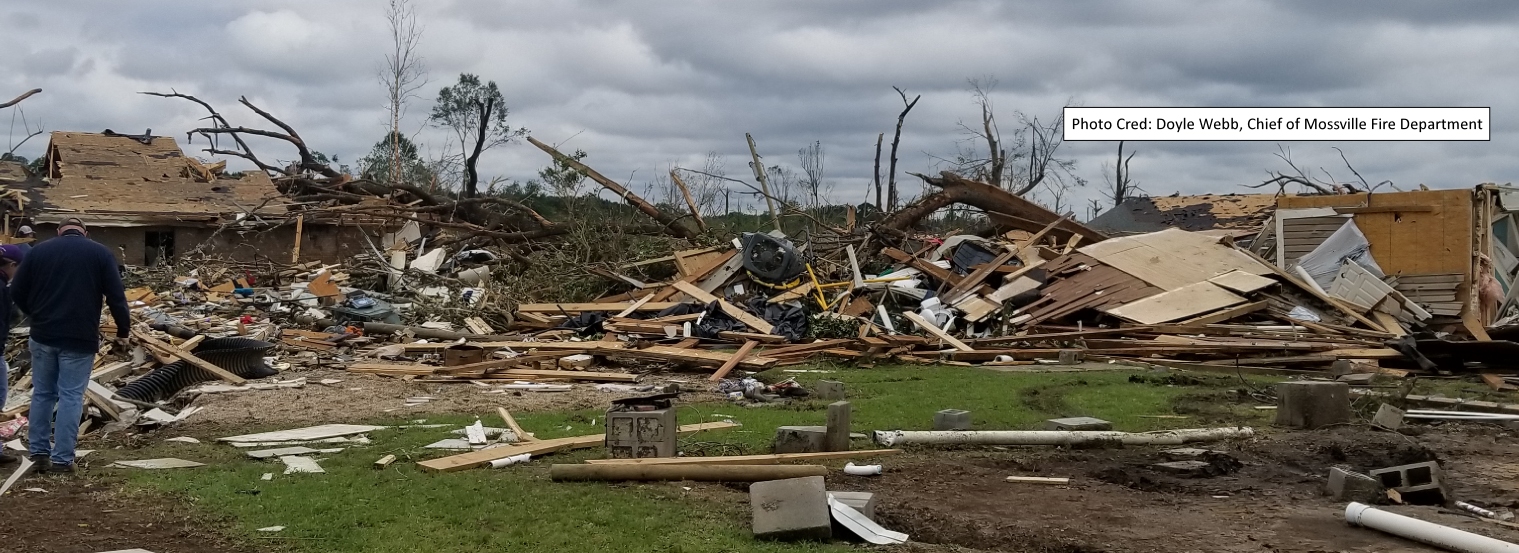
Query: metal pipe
x=1444, y=537
x=1058, y=437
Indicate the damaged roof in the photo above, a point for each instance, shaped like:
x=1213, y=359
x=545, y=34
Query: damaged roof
x=117, y=176
x=1191, y=213
x=11, y=171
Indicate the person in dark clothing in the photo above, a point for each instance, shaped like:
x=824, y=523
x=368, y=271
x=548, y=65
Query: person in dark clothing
x=11, y=256
x=60, y=286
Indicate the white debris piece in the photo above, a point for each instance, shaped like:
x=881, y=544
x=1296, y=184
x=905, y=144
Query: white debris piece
x=294, y=464
x=165, y=463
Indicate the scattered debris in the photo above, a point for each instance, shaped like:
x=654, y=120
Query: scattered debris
x=165, y=463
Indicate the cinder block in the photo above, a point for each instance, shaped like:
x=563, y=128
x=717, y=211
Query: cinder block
x=1312, y=404
x=864, y=502
x=1077, y=423
x=837, y=437
x=1388, y=417
x=791, y=509
x=952, y=419
x=1418, y=483
x=1341, y=367
x=1071, y=356
x=1346, y=485
x=828, y=389
x=800, y=439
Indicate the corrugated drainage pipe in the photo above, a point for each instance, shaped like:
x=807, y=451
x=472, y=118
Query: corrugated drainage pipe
x=1429, y=533
x=892, y=438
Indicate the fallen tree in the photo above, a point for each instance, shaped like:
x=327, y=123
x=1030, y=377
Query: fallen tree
x=1004, y=209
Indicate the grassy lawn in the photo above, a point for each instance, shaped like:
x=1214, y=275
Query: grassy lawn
x=354, y=508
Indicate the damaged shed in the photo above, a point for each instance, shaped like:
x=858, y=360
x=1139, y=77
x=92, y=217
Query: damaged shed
x=143, y=197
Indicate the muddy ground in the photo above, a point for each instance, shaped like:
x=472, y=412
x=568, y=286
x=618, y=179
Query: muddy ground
x=87, y=515
x=1116, y=503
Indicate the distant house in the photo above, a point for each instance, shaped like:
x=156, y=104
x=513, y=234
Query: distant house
x=143, y=197
x=1235, y=212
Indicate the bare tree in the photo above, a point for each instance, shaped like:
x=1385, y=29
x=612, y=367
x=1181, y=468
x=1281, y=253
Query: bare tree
x=476, y=113
x=403, y=74
x=811, y=159
x=879, y=205
x=891, y=175
x=1020, y=166
x=1120, y=186
x=1318, y=185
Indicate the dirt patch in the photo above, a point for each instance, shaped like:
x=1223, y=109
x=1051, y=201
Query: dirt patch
x=87, y=515
x=361, y=397
x=1273, y=499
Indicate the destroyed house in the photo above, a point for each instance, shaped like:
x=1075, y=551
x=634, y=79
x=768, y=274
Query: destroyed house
x=1245, y=213
x=148, y=201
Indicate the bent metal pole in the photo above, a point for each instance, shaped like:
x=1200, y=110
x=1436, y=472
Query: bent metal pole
x=1058, y=437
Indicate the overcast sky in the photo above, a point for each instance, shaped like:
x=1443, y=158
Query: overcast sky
x=644, y=85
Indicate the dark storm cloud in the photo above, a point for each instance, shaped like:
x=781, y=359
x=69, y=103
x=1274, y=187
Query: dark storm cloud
x=641, y=86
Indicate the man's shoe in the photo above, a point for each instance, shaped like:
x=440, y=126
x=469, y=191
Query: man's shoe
x=40, y=462
x=53, y=468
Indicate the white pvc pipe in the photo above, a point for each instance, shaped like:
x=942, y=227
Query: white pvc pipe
x=513, y=460
x=1429, y=533
x=892, y=438
x=862, y=470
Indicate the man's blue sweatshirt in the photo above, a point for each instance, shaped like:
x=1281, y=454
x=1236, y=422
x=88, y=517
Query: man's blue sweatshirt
x=60, y=286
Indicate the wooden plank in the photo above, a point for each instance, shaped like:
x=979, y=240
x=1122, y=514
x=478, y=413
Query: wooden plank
x=559, y=308
x=743, y=351
x=539, y=447
x=976, y=278
x=110, y=372
x=854, y=268
x=695, y=293
x=171, y=351
x=100, y=396
x=936, y=331
x=295, y=253
x=698, y=357
x=522, y=435
x=772, y=459
x=755, y=336
x=635, y=306
x=795, y=293
x=1038, y=480
x=1227, y=314
x=744, y=316
x=1187, y=301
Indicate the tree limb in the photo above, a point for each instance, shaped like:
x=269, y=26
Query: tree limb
x=18, y=99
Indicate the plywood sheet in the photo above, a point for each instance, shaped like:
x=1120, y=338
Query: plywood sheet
x=1437, y=241
x=1187, y=301
x=1242, y=282
x=1172, y=259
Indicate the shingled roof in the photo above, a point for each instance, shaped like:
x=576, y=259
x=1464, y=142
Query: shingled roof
x=1191, y=213
x=148, y=179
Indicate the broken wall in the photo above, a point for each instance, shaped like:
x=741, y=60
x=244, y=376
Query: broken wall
x=319, y=242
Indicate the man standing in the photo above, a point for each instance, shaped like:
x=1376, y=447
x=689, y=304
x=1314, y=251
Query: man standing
x=10, y=258
x=60, y=287
x=26, y=232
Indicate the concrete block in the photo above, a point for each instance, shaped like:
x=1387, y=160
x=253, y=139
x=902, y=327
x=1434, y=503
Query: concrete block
x=1070, y=357
x=1341, y=367
x=864, y=502
x=1077, y=423
x=837, y=434
x=828, y=389
x=952, y=419
x=1388, y=417
x=1347, y=485
x=800, y=439
x=1312, y=404
x=1418, y=483
x=791, y=509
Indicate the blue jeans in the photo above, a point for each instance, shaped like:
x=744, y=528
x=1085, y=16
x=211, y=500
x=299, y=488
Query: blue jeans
x=59, y=378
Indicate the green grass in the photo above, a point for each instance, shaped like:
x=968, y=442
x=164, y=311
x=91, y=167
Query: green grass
x=354, y=508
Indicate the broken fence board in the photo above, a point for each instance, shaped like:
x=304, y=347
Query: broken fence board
x=539, y=447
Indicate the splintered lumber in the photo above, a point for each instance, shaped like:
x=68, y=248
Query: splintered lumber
x=699, y=274
x=795, y=293
x=538, y=447
x=732, y=310
x=522, y=435
x=694, y=473
x=743, y=351
x=976, y=278
x=583, y=307
x=1227, y=314
x=532, y=374
x=936, y=331
x=693, y=356
x=746, y=459
x=171, y=351
x=755, y=336
x=384, y=462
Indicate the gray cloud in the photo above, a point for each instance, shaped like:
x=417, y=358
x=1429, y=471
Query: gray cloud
x=641, y=86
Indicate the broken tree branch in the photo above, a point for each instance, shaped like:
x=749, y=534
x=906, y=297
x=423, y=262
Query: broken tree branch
x=18, y=99
x=671, y=222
